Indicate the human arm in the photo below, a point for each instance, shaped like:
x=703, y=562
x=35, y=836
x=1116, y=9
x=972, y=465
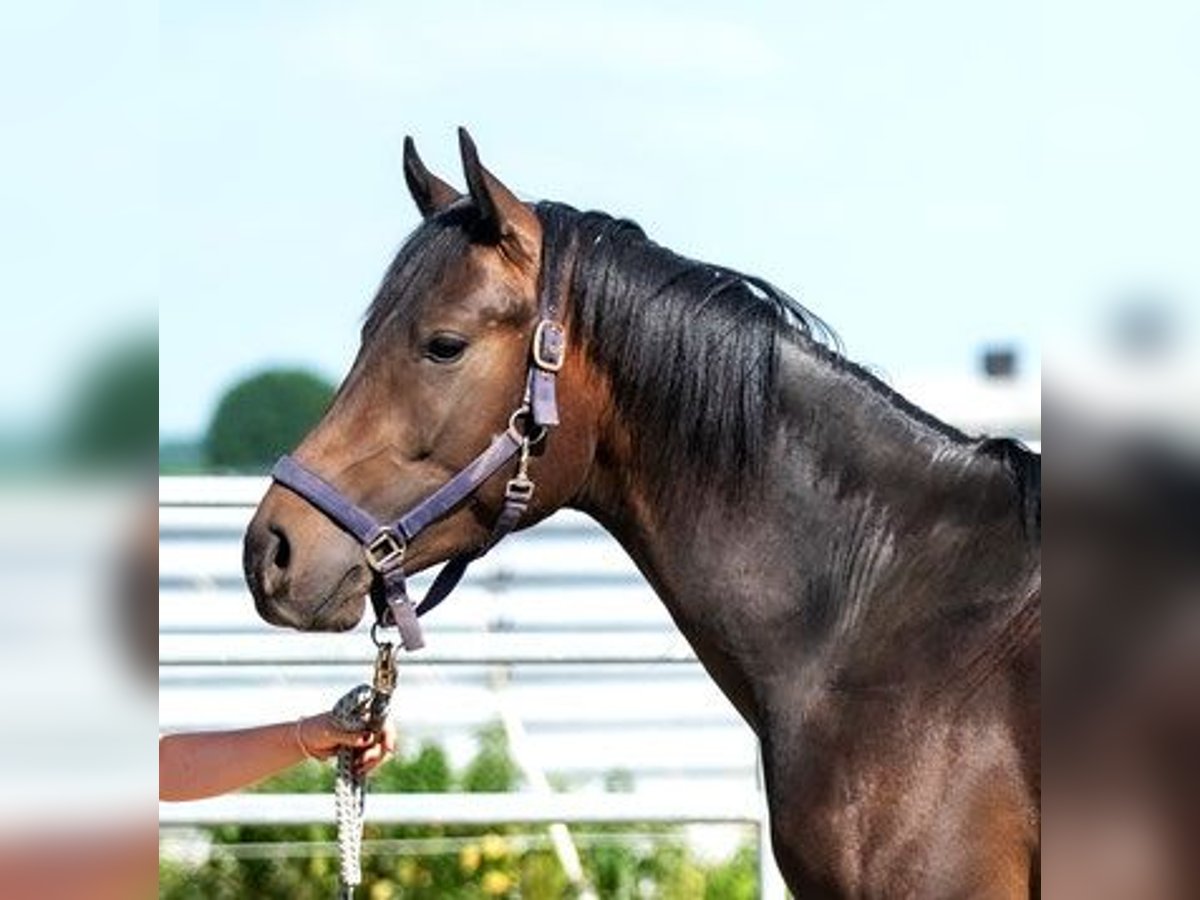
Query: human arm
x=207, y=763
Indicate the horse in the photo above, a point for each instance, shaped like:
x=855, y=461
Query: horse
x=861, y=580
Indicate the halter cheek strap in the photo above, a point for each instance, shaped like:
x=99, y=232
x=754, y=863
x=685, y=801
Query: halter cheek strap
x=385, y=544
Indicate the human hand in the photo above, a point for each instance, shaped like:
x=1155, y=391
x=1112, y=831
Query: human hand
x=380, y=746
x=321, y=737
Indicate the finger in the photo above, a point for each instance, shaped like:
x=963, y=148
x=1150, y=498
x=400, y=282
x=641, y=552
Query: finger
x=388, y=737
x=333, y=737
x=352, y=739
x=370, y=758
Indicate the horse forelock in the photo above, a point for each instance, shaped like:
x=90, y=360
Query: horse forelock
x=407, y=286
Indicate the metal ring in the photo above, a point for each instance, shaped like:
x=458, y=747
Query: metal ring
x=522, y=433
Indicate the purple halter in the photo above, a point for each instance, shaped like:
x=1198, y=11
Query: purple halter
x=384, y=544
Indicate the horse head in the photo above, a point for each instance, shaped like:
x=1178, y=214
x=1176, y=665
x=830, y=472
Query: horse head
x=442, y=369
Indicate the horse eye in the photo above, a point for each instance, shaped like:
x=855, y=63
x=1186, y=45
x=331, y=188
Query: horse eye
x=445, y=348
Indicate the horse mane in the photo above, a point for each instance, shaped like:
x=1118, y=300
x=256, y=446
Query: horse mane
x=639, y=307
x=1025, y=469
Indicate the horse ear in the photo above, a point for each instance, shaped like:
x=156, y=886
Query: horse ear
x=429, y=192
x=502, y=218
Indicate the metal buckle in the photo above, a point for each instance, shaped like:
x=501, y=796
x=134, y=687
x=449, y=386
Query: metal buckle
x=519, y=490
x=548, y=353
x=384, y=680
x=385, y=552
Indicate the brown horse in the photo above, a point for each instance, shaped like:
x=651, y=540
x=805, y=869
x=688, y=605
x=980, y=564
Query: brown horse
x=861, y=580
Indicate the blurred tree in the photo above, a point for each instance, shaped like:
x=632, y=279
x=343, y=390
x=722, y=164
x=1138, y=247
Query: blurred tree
x=493, y=768
x=112, y=417
x=263, y=417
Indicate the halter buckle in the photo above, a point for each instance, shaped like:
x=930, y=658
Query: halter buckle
x=519, y=490
x=548, y=344
x=386, y=551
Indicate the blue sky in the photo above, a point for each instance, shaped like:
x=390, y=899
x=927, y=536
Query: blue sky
x=78, y=203
x=927, y=176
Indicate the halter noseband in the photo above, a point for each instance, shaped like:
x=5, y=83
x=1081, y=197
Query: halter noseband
x=385, y=544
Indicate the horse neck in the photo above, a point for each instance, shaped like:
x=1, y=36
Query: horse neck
x=871, y=547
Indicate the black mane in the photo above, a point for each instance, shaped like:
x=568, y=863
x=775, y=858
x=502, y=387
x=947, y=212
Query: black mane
x=1025, y=468
x=639, y=309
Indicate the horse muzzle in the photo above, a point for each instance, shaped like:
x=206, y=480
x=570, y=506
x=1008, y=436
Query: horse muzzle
x=302, y=571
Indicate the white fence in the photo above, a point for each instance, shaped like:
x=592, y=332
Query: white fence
x=554, y=634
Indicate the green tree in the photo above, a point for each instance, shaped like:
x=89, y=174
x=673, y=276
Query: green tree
x=263, y=417
x=493, y=768
x=112, y=417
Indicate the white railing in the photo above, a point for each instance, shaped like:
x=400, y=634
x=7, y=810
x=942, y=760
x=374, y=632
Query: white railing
x=734, y=808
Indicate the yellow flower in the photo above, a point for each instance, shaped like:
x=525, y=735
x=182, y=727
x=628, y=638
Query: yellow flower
x=496, y=883
x=407, y=872
x=494, y=846
x=383, y=890
x=469, y=858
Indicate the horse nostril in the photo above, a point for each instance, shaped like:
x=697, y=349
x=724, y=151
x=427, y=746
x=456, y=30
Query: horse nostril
x=283, y=547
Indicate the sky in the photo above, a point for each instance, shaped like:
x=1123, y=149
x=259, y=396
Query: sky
x=928, y=176
x=78, y=194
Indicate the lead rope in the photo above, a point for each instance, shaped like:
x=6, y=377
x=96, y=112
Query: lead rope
x=364, y=708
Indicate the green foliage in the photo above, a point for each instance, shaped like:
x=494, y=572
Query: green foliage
x=428, y=772
x=263, y=417
x=618, y=781
x=492, y=770
x=450, y=863
x=736, y=879
x=180, y=457
x=112, y=418
x=308, y=777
